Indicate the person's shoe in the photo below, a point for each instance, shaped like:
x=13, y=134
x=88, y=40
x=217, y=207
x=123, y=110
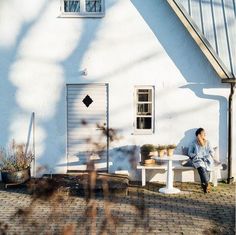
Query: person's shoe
x=208, y=188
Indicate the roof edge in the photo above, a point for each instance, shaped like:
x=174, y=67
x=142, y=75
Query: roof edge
x=201, y=41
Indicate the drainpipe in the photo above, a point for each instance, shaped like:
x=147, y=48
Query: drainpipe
x=230, y=179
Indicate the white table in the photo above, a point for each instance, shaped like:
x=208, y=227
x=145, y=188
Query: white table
x=169, y=189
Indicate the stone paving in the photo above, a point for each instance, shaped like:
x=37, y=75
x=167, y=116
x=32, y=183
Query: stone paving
x=142, y=211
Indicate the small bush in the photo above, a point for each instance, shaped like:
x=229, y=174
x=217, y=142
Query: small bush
x=147, y=148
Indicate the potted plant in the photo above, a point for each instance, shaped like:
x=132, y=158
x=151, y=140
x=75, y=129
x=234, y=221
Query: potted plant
x=161, y=149
x=15, y=164
x=170, y=149
x=145, y=151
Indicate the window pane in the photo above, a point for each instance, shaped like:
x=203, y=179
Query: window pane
x=144, y=123
x=144, y=109
x=145, y=95
x=72, y=6
x=93, y=5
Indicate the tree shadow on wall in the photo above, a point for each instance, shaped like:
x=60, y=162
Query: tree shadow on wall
x=187, y=56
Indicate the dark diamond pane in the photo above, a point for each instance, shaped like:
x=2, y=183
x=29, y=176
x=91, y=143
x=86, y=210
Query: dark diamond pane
x=87, y=100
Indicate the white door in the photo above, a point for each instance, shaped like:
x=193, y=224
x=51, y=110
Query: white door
x=86, y=126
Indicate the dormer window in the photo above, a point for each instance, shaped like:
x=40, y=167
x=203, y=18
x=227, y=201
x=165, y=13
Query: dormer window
x=82, y=8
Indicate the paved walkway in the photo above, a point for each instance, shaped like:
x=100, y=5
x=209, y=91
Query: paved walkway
x=143, y=211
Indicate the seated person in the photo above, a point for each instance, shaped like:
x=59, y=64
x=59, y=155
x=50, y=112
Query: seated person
x=201, y=155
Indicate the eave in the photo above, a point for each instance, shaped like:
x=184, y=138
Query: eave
x=201, y=41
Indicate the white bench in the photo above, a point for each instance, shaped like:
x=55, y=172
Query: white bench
x=213, y=173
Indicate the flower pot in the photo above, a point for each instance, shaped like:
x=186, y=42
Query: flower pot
x=161, y=152
x=144, y=156
x=149, y=161
x=16, y=177
x=170, y=152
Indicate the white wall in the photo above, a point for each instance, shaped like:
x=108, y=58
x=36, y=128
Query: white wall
x=133, y=44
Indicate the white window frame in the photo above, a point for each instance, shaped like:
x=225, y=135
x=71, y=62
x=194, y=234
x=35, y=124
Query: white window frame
x=144, y=131
x=83, y=12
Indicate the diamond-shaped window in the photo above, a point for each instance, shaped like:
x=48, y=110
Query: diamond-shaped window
x=87, y=100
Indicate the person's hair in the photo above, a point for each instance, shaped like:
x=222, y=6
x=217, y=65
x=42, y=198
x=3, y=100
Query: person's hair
x=198, y=131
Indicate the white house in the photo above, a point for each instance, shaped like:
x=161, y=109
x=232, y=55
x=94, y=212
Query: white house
x=130, y=65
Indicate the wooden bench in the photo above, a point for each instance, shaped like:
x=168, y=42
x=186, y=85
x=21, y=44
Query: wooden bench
x=143, y=168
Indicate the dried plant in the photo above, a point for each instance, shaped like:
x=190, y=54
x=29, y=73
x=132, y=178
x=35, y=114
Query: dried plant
x=3, y=228
x=15, y=158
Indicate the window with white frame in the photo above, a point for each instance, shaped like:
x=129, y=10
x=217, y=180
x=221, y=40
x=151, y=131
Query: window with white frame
x=144, y=109
x=83, y=8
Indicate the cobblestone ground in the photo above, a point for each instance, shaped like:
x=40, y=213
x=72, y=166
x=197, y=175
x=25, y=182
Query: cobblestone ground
x=142, y=211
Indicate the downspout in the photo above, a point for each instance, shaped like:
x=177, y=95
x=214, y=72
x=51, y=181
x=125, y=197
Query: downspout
x=230, y=179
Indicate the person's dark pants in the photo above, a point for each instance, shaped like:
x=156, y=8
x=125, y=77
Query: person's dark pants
x=204, y=175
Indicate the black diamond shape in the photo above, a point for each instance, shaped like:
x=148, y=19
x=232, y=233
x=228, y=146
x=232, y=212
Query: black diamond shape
x=87, y=100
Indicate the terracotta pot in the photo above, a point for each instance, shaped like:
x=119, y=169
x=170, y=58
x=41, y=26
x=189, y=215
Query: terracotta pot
x=149, y=161
x=161, y=152
x=16, y=177
x=170, y=152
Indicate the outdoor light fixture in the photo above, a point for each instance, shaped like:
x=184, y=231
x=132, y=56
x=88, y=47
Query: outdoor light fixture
x=84, y=72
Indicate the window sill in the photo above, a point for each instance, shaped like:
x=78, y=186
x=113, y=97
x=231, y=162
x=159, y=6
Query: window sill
x=88, y=15
x=143, y=133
